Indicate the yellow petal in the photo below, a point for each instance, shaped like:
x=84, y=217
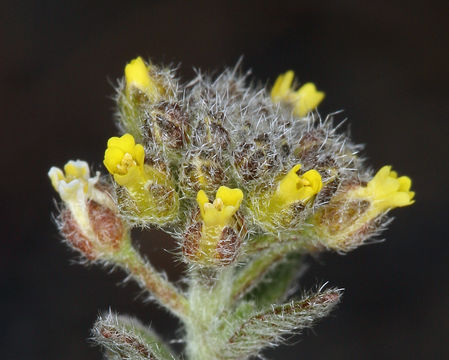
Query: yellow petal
x=294, y=188
x=201, y=199
x=55, y=174
x=314, y=178
x=125, y=143
x=132, y=178
x=139, y=154
x=303, y=100
x=405, y=183
x=112, y=157
x=230, y=197
x=382, y=173
x=77, y=169
x=386, y=191
x=123, y=153
x=136, y=74
x=309, y=99
x=304, y=193
x=219, y=213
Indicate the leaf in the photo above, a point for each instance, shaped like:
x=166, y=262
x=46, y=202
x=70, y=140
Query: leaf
x=268, y=328
x=126, y=338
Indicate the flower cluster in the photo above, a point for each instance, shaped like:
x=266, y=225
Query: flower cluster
x=244, y=179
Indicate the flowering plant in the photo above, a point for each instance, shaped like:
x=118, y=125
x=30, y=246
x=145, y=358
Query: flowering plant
x=248, y=182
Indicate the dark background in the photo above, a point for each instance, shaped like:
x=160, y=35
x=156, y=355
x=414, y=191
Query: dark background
x=385, y=63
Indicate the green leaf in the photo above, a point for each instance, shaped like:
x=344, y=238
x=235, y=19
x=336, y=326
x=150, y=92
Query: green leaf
x=268, y=327
x=126, y=338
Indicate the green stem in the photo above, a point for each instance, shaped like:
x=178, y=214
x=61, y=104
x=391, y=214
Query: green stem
x=209, y=296
x=149, y=278
x=252, y=273
x=257, y=268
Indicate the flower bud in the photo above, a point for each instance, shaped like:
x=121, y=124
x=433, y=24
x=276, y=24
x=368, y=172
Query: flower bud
x=141, y=79
x=355, y=212
x=216, y=234
x=146, y=86
x=89, y=220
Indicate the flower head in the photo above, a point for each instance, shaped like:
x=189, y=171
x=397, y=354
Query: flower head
x=124, y=159
x=214, y=239
x=149, y=189
x=303, y=100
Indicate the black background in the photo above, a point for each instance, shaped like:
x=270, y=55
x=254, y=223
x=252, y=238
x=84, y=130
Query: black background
x=385, y=63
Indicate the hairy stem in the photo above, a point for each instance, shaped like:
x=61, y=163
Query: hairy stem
x=209, y=296
x=251, y=274
x=155, y=282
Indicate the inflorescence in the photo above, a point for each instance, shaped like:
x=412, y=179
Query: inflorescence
x=245, y=179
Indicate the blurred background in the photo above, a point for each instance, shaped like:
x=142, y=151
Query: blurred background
x=385, y=63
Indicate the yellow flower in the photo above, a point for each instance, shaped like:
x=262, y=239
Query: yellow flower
x=124, y=159
x=75, y=178
x=219, y=213
x=350, y=216
x=219, y=233
x=150, y=189
x=137, y=76
x=293, y=188
x=386, y=191
x=89, y=220
x=273, y=210
x=303, y=100
x=74, y=186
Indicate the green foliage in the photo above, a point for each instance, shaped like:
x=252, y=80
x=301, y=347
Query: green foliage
x=126, y=338
x=267, y=328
